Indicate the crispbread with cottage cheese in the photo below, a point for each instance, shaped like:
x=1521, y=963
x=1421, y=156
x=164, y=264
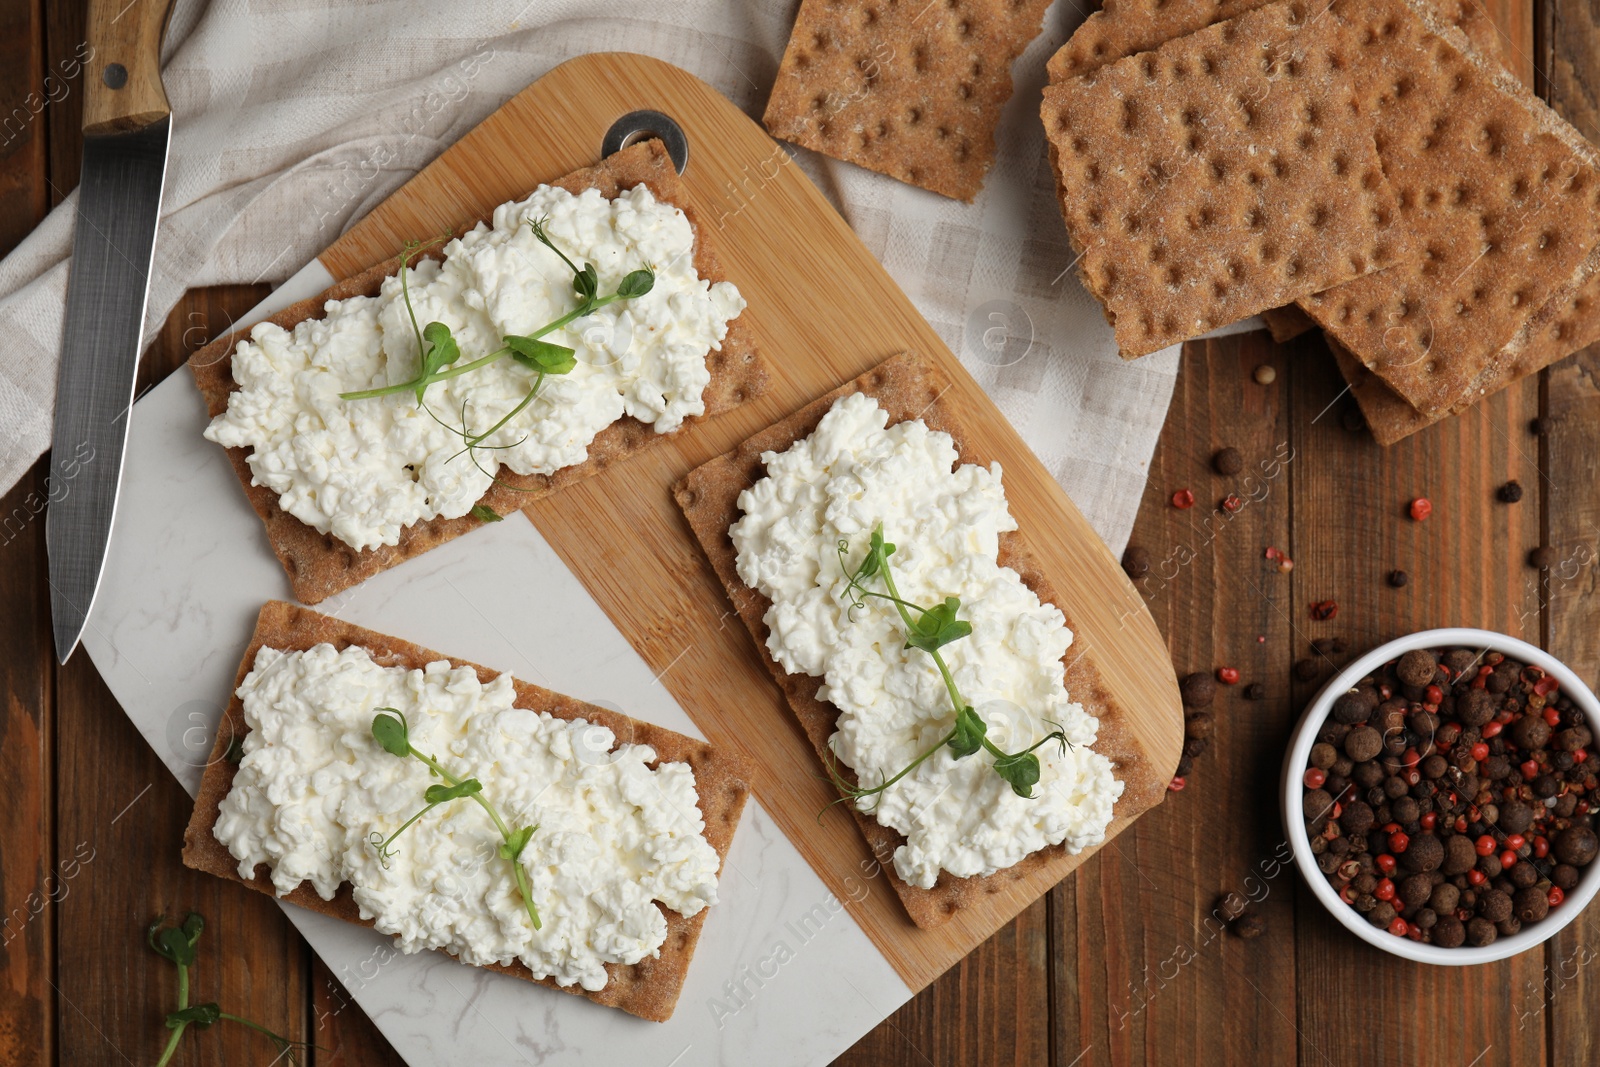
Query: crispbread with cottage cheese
x=648, y=989
x=907, y=387
x=320, y=565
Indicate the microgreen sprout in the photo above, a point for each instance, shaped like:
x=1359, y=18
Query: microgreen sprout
x=389, y=730
x=177, y=944
x=440, y=353
x=930, y=629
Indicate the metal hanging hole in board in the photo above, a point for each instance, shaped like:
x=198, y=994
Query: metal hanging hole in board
x=640, y=125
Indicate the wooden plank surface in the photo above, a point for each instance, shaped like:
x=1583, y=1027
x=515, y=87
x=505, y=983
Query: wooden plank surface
x=1147, y=965
x=1563, y=996
x=114, y=814
x=1117, y=965
x=27, y=858
x=121, y=817
x=819, y=320
x=1466, y=569
x=991, y=1008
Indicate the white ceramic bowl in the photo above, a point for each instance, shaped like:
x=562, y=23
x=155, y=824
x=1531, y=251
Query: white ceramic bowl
x=1298, y=756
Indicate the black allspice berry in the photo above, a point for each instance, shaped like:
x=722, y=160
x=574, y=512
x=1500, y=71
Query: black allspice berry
x=1197, y=690
x=1227, y=461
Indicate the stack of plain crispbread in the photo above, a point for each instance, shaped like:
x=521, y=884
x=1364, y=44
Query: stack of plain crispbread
x=1366, y=166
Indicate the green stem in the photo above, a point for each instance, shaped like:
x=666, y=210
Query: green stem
x=467, y=368
x=1055, y=735
x=483, y=361
x=944, y=671
x=383, y=849
x=1006, y=763
x=406, y=387
x=897, y=601
x=172, y=1045
x=956, y=700
x=436, y=768
x=177, y=1031
x=913, y=765
x=282, y=1042
x=473, y=442
x=523, y=888
x=405, y=293
x=526, y=890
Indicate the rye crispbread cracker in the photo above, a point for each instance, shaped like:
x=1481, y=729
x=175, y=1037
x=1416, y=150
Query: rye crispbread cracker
x=1287, y=323
x=1388, y=416
x=649, y=988
x=1126, y=27
x=320, y=565
x=1497, y=198
x=907, y=387
x=1122, y=28
x=912, y=90
x=1573, y=324
x=1224, y=173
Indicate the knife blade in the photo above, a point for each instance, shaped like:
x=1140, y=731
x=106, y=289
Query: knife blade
x=127, y=129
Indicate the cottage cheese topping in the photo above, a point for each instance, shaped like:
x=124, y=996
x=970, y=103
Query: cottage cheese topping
x=946, y=521
x=365, y=469
x=614, y=836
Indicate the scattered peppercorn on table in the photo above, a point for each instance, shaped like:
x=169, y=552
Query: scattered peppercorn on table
x=1276, y=541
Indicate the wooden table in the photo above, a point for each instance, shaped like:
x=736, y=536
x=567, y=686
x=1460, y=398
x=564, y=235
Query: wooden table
x=1117, y=965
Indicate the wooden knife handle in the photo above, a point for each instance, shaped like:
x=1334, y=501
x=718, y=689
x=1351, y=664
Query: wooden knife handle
x=122, y=77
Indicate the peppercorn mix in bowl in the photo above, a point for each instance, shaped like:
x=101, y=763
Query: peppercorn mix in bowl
x=1441, y=800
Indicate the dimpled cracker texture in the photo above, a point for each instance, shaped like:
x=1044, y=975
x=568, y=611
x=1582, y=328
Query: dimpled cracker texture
x=908, y=88
x=1126, y=27
x=1287, y=323
x=1226, y=172
x=1497, y=197
x=1572, y=323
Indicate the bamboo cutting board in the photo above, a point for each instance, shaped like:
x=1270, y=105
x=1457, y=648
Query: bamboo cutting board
x=822, y=311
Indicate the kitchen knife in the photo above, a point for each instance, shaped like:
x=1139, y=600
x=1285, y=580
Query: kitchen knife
x=127, y=124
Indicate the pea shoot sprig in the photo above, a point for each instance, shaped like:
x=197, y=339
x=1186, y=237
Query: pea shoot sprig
x=930, y=629
x=441, y=353
x=177, y=944
x=389, y=730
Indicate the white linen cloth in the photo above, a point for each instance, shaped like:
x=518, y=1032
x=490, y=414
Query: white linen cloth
x=292, y=119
